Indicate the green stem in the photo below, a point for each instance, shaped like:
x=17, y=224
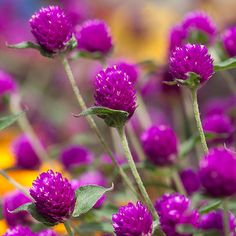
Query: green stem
x=93, y=125
x=134, y=170
x=68, y=228
x=178, y=183
x=226, y=217
x=198, y=120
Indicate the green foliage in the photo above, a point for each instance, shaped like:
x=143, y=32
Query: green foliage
x=9, y=120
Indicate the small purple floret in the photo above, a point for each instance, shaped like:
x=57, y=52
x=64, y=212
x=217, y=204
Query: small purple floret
x=19, y=231
x=228, y=39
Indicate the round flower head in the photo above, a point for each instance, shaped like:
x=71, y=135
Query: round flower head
x=198, y=22
x=12, y=201
x=160, y=145
x=54, y=196
x=173, y=210
x=114, y=90
x=51, y=28
x=19, y=231
x=7, y=84
x=133, y=220
x=74, y=156
x=229, y=41
x=177, y=37
x=25, y=154
x=218, y=172
x=47, y=232
x=191, y=58
x=214, y=221
x=94, y=36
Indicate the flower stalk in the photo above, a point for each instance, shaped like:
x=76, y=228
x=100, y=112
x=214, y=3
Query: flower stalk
x=68, y=228
x=226, y=217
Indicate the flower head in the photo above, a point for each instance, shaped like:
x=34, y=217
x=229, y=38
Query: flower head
x=25, y=154
x=191, y=58
x=94, y=36
x=133, y=220
x=173, y=210
x=218, y=172
x=7, y=84
x=177, y=37
x=47, y=232
x=51, y=28
x=54, y=196
x=160, y=145
x=19, y=231
x=228, y=39
x=114, y=90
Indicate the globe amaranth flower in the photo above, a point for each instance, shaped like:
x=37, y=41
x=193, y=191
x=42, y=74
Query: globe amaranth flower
x=19, y=231
x=106, y=159
x=219, y=124
x=218, y=172
x=177, y=37
x=199, y=22
x=174, y=210
x=25, y=155
x=74, y=156
x=114, y=90
x=133, y=220
x=7, y=84
x=160, y=145
x=12, y=201
x=51, y=28
x=47, y=232
x=94, y=36
x=214, y=221
x=54, y=196
x=228, y=40
x=191, y=58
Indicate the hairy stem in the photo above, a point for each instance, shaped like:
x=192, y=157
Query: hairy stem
x=68, y=228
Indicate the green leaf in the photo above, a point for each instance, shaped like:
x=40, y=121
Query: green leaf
x=86, y=198
x=88, y=55
x=210, y=207
x=113, y=118
x=8, y=120
x=96, y=226
x=226, y=65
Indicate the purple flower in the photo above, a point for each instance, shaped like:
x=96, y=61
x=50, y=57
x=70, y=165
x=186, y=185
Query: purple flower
x=114, y=90
x=218, y=172
x=12, y=201
x=228, y=39
x=173, y=210
x=133, y=220
x=19, y=231
x=200, y=22
x=54, y=196
x=177, y=37
x=214, y=221
x=160, y=145
x=94, y=36
x=106, y=159
x=191, y=58
x=51, y=28
x=190, y=180
x=47, y=232
x=7, y=84
x=74, y=156
x=25, y=154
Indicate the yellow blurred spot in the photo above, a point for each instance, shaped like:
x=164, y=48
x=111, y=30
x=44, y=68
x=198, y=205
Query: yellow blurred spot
x=60, y=228
x=3, y=227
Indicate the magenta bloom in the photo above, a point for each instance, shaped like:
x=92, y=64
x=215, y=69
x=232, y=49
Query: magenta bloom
x=25, y=154
x=218, y=172
x=114, y=90
x=191, y=58
x=54, y=196
x=94, y=36
x=19, y=231
x=214, y=221
x=51, y=28
x=133, y=220
x=177, y=37
x=47, y=232
x=173, y=210
x=228, y=40
x=7, y=84
x=12, y=201
x=106, y=159
x=74, y=156
x=160, y=145
x=200, y=22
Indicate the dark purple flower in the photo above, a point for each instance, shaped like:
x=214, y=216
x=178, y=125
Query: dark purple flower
x=160, y=145
x=133, y=220
x=12, y=201
x=174, y=210
x=177, y=37
x=228, y=39
x=54, y=196
x=7, y=84
x=190, y=180
x=215, y=106
x=25, y=154
x=214, y=221
x=199, y=22
x=19, y=231
x=191, y=58
x=114, y=90
x=51, y=28
x=47, y=232
x=94, y=36
x=218, y=172
x=74, y=156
